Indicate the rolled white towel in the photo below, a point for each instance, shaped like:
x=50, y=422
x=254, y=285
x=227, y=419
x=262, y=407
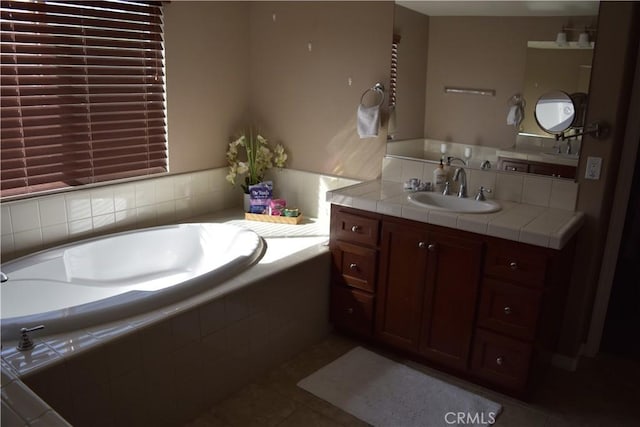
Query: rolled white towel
x=515, y=115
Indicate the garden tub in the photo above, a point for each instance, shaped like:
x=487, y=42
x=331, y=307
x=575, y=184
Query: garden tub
x=99, y=280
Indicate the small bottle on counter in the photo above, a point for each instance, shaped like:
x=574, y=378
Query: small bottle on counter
x=439, y=178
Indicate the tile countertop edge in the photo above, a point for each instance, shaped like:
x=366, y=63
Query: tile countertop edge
x=393, y=205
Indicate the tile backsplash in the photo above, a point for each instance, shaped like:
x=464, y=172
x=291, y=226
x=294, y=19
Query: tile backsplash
x=514, y=187
x=41, y=222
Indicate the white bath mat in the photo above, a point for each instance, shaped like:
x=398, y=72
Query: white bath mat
x=384, y=393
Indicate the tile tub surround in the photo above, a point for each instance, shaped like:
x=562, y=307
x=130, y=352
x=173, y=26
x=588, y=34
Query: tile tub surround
x=164, y=367
x=45, y=221
x=538, y=225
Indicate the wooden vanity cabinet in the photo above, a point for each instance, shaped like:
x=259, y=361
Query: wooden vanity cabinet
x=482, y=307
x=427, y=291
x=354, y=238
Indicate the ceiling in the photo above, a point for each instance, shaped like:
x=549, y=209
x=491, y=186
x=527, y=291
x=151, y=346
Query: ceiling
x=502, y=8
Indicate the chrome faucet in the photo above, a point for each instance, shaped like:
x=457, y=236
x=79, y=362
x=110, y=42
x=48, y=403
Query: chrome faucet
x=451, y=159
x=461, y=175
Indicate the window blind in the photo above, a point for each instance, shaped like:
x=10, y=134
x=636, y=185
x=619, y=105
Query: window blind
x=82, y=87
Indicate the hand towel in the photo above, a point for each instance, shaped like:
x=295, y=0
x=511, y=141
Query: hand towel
x=368, y=121
x=515, y=115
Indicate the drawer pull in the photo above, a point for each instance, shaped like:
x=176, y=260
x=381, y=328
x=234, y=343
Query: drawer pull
x=500, y=360
x=432, y=247
x=353, y=266
x=355, y=228
x=513, y=266
x=507, y=310
x=349, y=310
x=422, y=245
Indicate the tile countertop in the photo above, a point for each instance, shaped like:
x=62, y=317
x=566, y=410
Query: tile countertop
x=520, y=222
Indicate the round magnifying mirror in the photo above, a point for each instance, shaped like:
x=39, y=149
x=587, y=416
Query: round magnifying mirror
x=555, y=112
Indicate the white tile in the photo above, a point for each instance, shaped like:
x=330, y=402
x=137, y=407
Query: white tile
x=564, y=194
x=145, y=193
x=126, y=218
x=415, y=213
x=6, y=242
x=102, y=202
x=10, y=418
x=104, y=222
x=536, y=190
x=25, y=216
x=200, y=182
x=509, y=187
x=183, y=208
x=124, y=197
x=182, y=186
x=503, y=231
x=411, y=169
x=478, y=178
x=146, y=216
x=28, y=240
x=217, y=178
x=392, y=169
x=446, y=219
x=364, y=203
x=534, y=238
x=49, y=419
x=236, y=306
x=387, y=208
x=23, y=401
x=5, y=218
x=53, y=210
x=78, y=205
x=166, y=212
x=212, y=316
x=164, y=189
x=80, y=228
x=55, y=233
x=24, y=362
x=472, y=223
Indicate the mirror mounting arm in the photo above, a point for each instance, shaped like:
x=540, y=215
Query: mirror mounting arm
x=599, y=130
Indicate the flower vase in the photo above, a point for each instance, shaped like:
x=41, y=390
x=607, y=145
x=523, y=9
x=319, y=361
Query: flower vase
x=247, y=202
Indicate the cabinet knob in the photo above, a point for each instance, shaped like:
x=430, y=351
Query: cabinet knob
x=432, y=247
x=353, y=266
x=422, y=245
x=513, y=266
x=500, y=360
x=349, y=310
x=355, y=228
x=507, y=310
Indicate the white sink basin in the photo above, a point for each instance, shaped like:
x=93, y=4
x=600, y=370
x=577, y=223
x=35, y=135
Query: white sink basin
x=437, y=201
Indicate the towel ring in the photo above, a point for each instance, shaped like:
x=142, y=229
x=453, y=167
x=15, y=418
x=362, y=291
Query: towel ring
x=517, y=99
x=377, y=88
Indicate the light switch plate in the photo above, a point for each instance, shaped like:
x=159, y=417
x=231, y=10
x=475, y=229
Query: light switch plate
x=594, y=164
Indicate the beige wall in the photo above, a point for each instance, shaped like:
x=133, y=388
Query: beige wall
x=484, y=53
x=613, y=66
x=302, y=98
x=207, y=64
x=413, y=28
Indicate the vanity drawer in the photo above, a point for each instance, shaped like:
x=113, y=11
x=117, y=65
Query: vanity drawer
x=352, y=310
x=355, y=265
x=516, y=262
x=355, y=228
x=509, y=309
x=501, y=360
x=512, y=165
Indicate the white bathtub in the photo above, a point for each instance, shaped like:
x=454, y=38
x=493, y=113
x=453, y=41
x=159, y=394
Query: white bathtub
x=103, y=279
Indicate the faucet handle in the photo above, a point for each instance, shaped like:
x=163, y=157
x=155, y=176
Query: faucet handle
x=25, y=342
x=446, y=190
x=481, y=191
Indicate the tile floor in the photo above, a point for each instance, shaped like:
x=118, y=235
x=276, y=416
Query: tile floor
x=603, y=392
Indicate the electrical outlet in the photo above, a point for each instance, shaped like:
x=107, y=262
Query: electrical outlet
x=593, y=168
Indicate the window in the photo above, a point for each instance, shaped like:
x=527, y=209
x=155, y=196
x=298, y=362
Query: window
x=82, y=93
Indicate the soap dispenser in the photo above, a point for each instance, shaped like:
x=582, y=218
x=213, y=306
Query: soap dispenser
x=439, y=178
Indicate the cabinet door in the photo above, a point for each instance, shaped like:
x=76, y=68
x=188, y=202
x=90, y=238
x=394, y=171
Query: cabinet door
x=400, y=293
x=450, y=299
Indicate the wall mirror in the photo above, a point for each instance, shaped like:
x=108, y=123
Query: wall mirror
x=485, y=48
